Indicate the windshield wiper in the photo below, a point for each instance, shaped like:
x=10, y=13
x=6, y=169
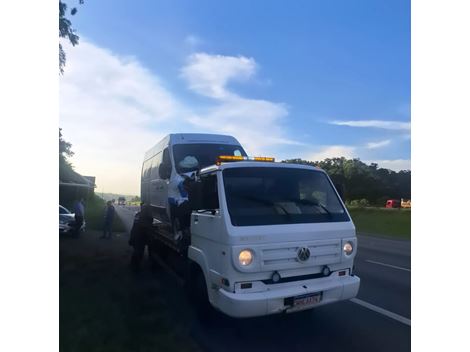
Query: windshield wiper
x=267, y=202
x=312, y=202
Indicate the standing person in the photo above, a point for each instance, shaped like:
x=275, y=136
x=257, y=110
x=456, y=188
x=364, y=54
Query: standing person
x=141, y=236
x=180, y=211
x=79, y=210
x=108, y=220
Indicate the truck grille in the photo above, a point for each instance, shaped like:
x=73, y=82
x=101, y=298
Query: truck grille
x=322, y=252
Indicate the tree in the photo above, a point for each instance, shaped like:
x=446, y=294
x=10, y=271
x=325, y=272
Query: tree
x=364, y=182
x=66, y=31
x=65, y=151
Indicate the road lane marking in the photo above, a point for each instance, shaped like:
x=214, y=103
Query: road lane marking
x=382, y=311
x=388, y=265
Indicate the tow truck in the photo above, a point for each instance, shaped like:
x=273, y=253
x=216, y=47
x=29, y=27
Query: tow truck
x=264, y=238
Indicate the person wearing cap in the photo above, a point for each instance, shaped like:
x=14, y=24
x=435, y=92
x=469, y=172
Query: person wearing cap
x=178, y=196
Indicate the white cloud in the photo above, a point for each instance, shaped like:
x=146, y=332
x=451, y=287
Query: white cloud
x=375, y=145
x=108, y=105
x=193, y=40
x=389, y=125
x=395, y=165
x=333, y=151
x=113, y=109
x=257, y=124
x=209, y=74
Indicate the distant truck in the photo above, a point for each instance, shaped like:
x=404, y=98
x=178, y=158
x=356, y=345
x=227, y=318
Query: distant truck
x=264, y=237
x=392, y=203
x=405, y=203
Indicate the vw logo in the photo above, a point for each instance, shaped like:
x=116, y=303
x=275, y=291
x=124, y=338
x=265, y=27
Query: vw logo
x=303, y=254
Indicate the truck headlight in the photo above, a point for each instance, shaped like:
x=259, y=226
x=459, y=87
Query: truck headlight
x=348, y=248
x=245, y=257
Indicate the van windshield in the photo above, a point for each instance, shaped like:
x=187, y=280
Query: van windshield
x=274, y=195
x=190, y=157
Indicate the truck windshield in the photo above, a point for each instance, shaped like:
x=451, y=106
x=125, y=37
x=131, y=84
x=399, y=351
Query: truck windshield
x=274, y=195
x=201, y=155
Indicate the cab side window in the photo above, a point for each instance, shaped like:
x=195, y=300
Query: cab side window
x=210, y=192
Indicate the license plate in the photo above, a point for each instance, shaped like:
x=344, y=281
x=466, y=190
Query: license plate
x=307, y=300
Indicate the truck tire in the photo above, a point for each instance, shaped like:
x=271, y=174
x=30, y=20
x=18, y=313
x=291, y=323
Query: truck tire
x=197, y=293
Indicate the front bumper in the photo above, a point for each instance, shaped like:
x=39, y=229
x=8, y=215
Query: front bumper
x=271, y=301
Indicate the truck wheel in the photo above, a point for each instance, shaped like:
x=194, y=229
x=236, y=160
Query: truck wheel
x=197, y=292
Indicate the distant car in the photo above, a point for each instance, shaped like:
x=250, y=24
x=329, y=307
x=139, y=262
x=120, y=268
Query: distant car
x=67, y=221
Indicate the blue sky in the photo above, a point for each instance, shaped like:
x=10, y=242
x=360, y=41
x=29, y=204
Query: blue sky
x=307, y=79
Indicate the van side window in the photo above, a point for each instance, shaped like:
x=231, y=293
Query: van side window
x=209, y=190
x=156, y=161
x=146, y=168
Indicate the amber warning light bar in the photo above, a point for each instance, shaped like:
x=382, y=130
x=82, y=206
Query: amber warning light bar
x=230, y=158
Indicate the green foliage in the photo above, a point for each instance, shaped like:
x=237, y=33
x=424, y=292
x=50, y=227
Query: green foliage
x=382, y=221
x=358, y=203
x=66, y=31
x=65, y=151
x=362, y=181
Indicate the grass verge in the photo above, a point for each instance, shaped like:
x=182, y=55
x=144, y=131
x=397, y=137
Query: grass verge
x=103, y=307
x=381, y=221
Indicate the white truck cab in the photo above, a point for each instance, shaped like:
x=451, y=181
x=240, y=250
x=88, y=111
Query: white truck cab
x=269, y=237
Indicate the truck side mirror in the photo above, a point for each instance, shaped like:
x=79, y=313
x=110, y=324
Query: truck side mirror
x=340, y=190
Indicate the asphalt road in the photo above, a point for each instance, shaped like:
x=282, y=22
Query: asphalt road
x=377, y=320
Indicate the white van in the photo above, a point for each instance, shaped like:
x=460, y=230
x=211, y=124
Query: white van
x=162, y=164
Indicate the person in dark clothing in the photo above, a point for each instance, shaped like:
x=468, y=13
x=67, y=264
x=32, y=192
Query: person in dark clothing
x=181, y=208
x=108, y=220
x=141, y=236
x=79, y=210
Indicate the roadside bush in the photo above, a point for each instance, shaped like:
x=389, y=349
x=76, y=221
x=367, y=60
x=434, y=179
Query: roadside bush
x=359, y=203
x=94, y=215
